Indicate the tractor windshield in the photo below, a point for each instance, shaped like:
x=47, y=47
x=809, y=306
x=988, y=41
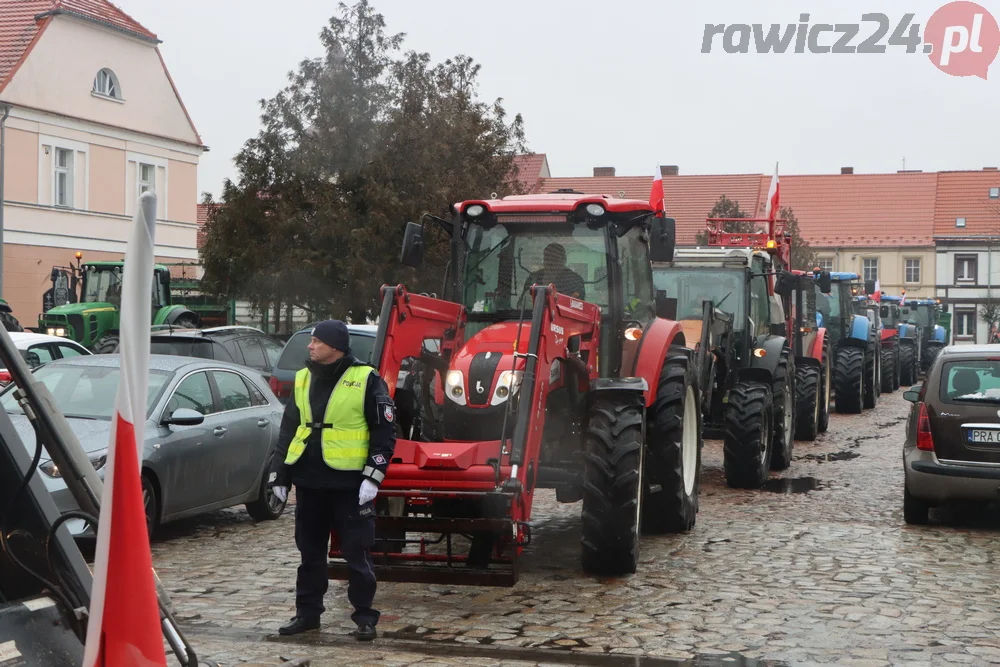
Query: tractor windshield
x=690, y=286
x=829, y=304
x=919, y=315
x=102, y=284
x=890, y=316
x=506, y=260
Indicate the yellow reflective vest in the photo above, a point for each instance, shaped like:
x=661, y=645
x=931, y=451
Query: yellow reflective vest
x=344, y=429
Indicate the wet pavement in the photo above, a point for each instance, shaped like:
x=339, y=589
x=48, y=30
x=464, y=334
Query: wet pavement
x=818, y=567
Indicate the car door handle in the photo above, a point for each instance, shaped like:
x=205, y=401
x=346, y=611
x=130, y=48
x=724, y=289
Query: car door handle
x=220, y=430
x=263, y=423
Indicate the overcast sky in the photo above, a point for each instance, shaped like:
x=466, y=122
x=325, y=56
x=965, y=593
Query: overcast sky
x=620, y=84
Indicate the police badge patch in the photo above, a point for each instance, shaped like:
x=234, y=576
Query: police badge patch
x=387, y=411
x=378, y=459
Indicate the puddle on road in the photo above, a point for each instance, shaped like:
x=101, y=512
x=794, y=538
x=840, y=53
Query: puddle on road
x=792, y=485
x=845, y=455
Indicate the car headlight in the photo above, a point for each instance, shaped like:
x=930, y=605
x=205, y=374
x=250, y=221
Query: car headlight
x=507, y=385
x=454, y=386
x=97, y=459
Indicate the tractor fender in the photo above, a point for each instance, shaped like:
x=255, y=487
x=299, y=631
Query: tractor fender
x=762, y=369
x=861, y=329
x=634, y=388
x=938, y=335
x=170, y=314
x=818, y=346
x=653, y=347
x=907, y=332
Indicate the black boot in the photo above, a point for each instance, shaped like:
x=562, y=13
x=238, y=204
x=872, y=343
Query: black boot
x=299, y=624
x=365, y=633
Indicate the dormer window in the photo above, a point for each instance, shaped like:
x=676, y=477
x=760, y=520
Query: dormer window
x=106, y=84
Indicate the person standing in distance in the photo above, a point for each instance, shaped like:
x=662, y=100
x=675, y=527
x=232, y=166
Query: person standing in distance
x=336, y=439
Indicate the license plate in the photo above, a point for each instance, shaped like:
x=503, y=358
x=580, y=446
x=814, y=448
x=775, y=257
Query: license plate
x=983, y=436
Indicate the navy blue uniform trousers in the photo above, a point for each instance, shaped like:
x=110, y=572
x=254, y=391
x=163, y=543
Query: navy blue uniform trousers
x=317, y=511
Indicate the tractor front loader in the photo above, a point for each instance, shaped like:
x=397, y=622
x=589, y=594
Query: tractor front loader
x=545, y=365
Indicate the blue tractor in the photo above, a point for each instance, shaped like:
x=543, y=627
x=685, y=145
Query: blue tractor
x=854, y=339
x=902, y=316
x=924, y=314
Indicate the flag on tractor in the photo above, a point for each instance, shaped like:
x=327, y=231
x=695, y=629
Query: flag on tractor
x=656, y=194
x=773, y=192
x=124, y=625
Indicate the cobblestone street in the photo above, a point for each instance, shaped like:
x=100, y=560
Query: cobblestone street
x=819, y=567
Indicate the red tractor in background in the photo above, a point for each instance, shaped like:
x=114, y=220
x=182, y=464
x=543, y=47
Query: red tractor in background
x=549, y=363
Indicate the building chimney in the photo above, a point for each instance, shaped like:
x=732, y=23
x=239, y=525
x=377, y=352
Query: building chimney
x=847, y=170
x=604, y=171
x=990, y=169
x=669, y=170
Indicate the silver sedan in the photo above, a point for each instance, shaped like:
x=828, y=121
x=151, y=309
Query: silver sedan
x=209, y=434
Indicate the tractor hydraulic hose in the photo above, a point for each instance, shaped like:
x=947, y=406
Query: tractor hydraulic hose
x=528, y=380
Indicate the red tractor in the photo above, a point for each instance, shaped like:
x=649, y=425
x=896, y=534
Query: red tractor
x=549, y=363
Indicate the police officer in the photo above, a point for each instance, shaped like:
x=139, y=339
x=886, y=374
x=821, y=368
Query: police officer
x=336, y=439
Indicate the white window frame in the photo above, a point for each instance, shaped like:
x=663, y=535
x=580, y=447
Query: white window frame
x=972, y=260
x=822, y=261
x=960, y=315
x=47, y=147
x=156, y=162
x=906, y=270
x=58, y=170
x=864, y=269
x=114, y=86
x=141, y=182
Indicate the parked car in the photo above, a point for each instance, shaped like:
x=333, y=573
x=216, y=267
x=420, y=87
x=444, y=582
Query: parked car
x=295, y=354
x=209, y=434
x=38, y=349
x=246, y=346
x=952, y=448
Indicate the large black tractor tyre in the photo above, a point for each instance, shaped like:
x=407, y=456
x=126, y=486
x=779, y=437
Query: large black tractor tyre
x=185, y=322
x=783, y=397
x=930, y=354
x=673, y=449
x=895, y=367
x=107, y=344
x=871, y=380
x=612, y=485
x=907, y=365
x=749, y=437
x=888, y=370
x=9, y=322
x=849, y=380
x=826, y=387
x=808, y=400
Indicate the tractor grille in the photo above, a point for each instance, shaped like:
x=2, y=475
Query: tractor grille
x=481, y=373
x=76, y=321
x=476, y=424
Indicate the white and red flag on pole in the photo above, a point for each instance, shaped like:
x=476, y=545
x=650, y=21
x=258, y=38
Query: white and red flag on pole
x=124, y=625
x=878, y=292
x=656, y=193
x=771, y=210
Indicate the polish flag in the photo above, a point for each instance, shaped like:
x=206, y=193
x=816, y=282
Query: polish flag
x=903, y=299
x=124, y=625
x=656, y=193
x=878, y=292
x=772, y=196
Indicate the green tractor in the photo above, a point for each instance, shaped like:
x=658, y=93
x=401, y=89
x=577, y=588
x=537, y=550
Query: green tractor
x=7, y=319
x=90, y=315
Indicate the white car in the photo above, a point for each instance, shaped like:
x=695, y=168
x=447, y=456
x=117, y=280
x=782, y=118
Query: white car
x=38, y=349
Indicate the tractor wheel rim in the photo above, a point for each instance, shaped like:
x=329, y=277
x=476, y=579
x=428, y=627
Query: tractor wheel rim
x=689, y=442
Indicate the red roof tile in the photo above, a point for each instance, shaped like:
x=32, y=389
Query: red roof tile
x=531, y=168
x=22, y=21
x=965, y=194
x=860, y=210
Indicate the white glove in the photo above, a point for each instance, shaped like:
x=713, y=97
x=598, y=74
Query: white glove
x=281, y=492
x=368, y=491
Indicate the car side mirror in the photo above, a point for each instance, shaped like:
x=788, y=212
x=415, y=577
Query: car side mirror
x=912, y=394
x=825, y=281
x=662, y=239
x=184, y=417
x=412, y=253
x=784, y=284
x=666, y=307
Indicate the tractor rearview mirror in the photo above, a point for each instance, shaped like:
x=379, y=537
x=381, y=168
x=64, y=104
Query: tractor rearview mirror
x=662, y=239
x=784, y=284
x=666, y=307
x=869, y=287
x=825, y=281
x=412, y=253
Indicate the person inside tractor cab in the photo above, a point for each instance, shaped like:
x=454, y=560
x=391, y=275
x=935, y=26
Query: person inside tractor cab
x=555, y=271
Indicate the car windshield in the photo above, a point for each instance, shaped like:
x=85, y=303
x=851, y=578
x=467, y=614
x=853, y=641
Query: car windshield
x=85, y=392
x=974, y=380
x=724, y=287
x=505, y=260
x=296, y=352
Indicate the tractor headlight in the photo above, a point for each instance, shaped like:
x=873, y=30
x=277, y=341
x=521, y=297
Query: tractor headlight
x=475, y=210
x=595, y=210
x=454, y=386
x=507, y=385
x=54, y=331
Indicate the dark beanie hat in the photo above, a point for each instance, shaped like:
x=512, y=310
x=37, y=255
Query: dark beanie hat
x=333, y=333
